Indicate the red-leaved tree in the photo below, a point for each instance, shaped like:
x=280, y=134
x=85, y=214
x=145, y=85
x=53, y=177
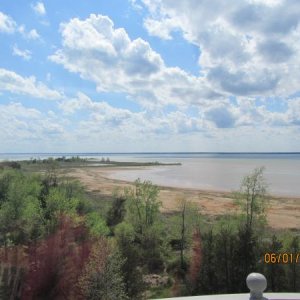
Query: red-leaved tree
x=56, y=263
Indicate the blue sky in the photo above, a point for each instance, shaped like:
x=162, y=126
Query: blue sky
x=141, y=75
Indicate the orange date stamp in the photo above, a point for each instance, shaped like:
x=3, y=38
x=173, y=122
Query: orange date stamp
x=281, y=258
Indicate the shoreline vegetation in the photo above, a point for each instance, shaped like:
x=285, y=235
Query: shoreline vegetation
x=68, y=229
x=282, y=213
x=76, y=161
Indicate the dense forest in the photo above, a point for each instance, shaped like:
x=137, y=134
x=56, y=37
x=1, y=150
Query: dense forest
x=59, y=242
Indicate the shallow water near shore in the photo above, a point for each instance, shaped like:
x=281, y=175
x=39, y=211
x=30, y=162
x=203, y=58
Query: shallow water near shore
x=282, y=174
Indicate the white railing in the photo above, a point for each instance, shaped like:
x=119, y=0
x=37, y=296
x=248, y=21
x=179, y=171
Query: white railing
x=256, y=283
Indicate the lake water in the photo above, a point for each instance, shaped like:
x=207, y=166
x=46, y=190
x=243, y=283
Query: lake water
x=212, y=171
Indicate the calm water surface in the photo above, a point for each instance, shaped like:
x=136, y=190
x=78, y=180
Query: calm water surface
x=221, y=173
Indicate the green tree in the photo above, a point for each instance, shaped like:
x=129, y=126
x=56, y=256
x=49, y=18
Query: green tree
x=142, y=212
x=102, y=278
x=225, y=250
x=181, y=227
x=96, y=225
x=133, y=278
x=188, y=222
x=207, y=283
x=56, y=204
x=20, y=217
x=246, y=256
x=252, y=198
x=142, y=205
x=116, y=213
x=5, y=179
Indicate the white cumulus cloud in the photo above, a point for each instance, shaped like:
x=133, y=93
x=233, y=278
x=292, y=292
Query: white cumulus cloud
x=112, y=119
x=248, y=47
x=10, y=26
x=28, y=128
x=97, y=51
x=25, y=54
x=39, y=8
x=7, y=24
x=15, y=83
x=33, y=34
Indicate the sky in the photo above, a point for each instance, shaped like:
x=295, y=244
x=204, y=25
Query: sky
x=149, y=76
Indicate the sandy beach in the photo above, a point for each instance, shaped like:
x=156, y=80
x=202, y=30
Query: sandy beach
x=282, y=213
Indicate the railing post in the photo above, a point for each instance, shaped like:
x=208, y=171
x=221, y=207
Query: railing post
x=256, y=283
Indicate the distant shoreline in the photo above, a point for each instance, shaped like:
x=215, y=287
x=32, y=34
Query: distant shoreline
x=162, y=157
x=129, y=153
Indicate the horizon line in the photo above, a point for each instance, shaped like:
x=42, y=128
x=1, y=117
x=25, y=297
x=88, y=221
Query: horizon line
x=159, y=152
